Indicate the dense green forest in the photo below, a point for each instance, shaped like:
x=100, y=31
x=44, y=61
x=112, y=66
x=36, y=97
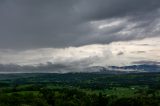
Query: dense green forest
x=80, y=89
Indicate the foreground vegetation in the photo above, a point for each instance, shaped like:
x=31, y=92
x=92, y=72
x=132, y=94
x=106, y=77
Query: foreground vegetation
x=80, y=89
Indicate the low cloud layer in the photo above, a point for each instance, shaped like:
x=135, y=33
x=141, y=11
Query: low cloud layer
x=33, y=24
x=114, y=54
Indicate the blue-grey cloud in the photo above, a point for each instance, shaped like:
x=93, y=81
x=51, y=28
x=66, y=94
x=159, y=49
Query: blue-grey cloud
x=147, y=62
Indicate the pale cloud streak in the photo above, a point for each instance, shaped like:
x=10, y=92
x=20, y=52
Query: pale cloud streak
x=116, y=53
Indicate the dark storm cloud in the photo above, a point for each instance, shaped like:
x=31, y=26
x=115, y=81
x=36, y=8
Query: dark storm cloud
x=26, y=24
x=102, y=9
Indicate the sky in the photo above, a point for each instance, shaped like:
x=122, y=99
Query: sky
x=80, y=33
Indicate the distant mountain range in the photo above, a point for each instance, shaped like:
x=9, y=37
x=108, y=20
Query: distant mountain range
x=139, y=68
x=58, y=68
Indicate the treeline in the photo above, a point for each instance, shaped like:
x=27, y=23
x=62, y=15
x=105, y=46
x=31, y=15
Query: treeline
x=75, y=97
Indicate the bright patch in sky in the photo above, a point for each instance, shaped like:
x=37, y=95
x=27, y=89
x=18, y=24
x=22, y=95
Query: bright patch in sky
x=116, y=53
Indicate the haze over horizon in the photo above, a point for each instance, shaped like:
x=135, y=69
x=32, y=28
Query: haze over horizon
x=80, y=33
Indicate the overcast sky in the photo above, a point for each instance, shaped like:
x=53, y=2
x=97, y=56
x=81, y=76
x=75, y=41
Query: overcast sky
x=54, y=25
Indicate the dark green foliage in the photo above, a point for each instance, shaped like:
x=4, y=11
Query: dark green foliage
x=81, y=89
x=74, y=97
